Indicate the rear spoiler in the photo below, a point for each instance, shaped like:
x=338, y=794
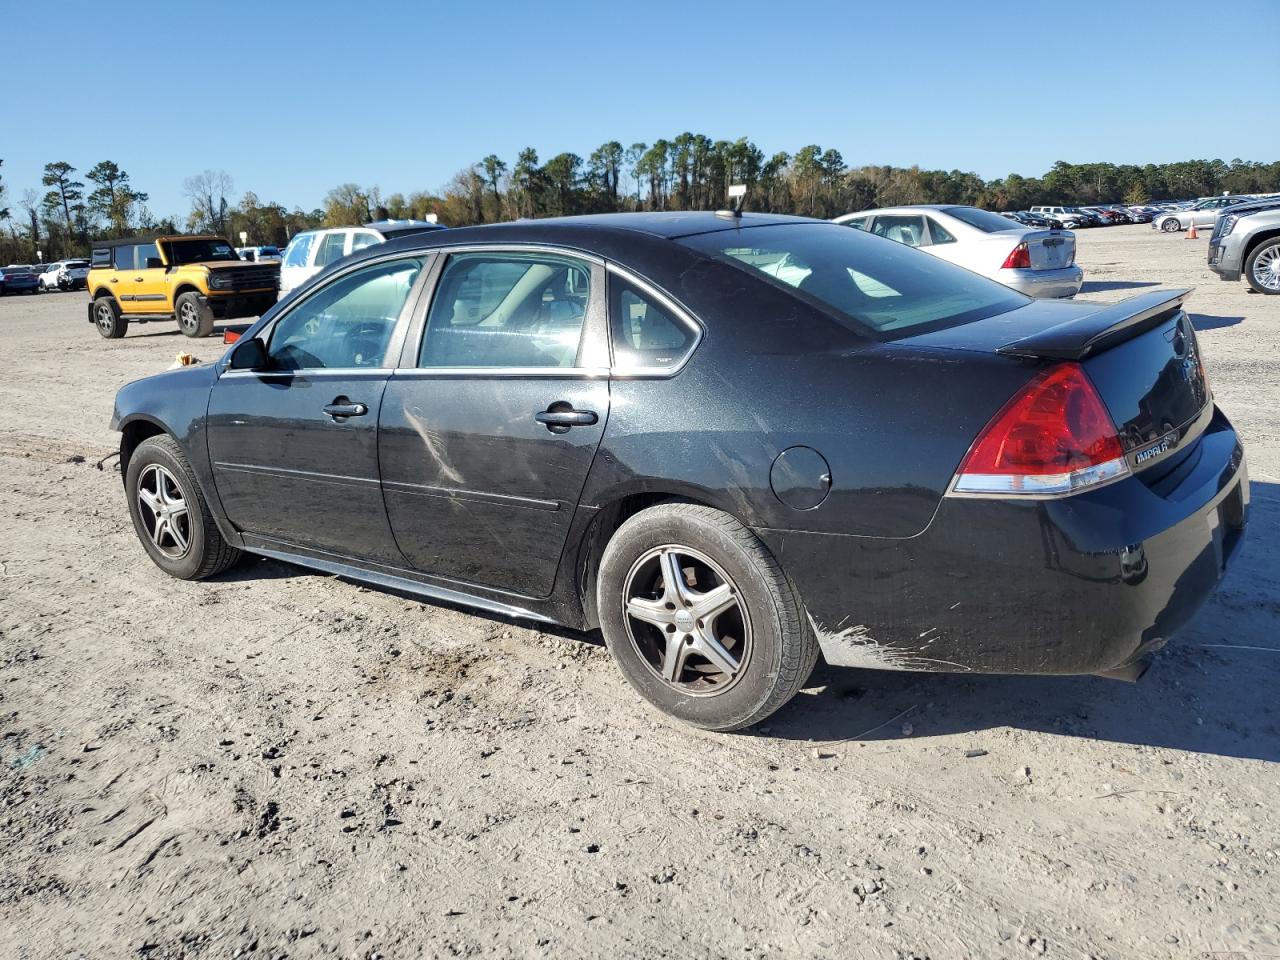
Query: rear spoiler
x=1083, y=336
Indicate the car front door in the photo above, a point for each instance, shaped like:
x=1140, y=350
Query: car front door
x=489, y=427
x=908, y=229
x=294, y=445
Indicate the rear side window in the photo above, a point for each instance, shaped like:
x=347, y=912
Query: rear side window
x=331, y=247
x=295, y=254
x=102, y=257
x=646, y=333
x=507, y=310
x=872, y=287
x=123, y=257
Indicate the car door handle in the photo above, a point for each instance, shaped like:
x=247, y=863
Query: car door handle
x=137, y=279
x=566, y=418
x=340, y=411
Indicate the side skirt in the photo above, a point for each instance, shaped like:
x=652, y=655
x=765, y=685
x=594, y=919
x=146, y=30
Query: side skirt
x=393, y=582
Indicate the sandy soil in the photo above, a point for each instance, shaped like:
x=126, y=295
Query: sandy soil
x=284, y=764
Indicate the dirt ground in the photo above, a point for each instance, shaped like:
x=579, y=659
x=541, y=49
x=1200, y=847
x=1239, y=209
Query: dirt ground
x=283, y=764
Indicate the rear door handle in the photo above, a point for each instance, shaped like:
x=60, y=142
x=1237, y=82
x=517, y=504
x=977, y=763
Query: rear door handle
x=564, y=419
x=340, y=411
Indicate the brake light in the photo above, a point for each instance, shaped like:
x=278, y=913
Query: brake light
x=1019, y=259
x=1055, y=437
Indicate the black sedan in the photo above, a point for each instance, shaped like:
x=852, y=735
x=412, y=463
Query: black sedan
x=732, y=443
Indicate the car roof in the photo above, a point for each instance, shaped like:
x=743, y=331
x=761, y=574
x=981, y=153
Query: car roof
x=129, y=241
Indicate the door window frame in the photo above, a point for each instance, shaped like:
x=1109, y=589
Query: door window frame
x=394, y=349
x=677, y=312
x=593, y=349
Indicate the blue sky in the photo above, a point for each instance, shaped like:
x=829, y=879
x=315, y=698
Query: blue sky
x=294, y=98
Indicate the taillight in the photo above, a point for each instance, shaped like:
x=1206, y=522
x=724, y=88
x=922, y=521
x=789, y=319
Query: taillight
x=1018, y=259
x=230, y=336
x=1055, y=437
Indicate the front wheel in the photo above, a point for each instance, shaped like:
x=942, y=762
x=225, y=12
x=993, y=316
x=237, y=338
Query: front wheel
x=170, y=514
x=195, y=319
x=106, y=317
x=1172, y=225
x=1262, y=267
x=701, y=619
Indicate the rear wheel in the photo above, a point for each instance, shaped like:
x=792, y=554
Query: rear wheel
x=700, y=619
x=106, y=317
x=1172, y=225
x=1262, y=267
x=170, y=514
x=195, y=319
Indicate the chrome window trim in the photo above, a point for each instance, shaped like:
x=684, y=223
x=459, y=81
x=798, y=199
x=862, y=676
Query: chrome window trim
x=344, y=373
x=678, y=310
x=555, y=373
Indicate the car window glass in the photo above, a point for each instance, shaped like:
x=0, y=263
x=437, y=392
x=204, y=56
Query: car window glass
x=859, y=224
x=295, y=255
x=507, y=310
x=938, y=233
x=145, y=252
x=346, y=323
x=908, y=230
x=122, y=257
x=364, y=239
x=645, y=333
x=330, y=248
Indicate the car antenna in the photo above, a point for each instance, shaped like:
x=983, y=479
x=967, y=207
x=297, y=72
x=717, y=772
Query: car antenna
x=737, y=197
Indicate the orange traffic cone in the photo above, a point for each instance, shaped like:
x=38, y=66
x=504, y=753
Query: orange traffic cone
x=1191, y=233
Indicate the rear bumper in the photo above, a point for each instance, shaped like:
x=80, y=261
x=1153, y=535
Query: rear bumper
x=1073, y=586
x=1044, y=284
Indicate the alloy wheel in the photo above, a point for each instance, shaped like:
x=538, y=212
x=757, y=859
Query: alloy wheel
x=686, y=620
x=106, y=318
x=1266, y=268
x=164, y=511
x=187, y=318
x=1172, y=225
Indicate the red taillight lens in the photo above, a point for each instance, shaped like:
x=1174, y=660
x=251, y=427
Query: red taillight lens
x=230, y=336
x=1019, y=259
x=1053, y=438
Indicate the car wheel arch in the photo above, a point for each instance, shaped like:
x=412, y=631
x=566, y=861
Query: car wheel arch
x=132, y=434
x=610, y=515
x=1258, y=240
x=185, y=288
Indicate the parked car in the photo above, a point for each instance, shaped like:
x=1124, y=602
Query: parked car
x=259, y=253
x=1069, y=217
x=1246, y=242
x=17, y=278
x=65, y=275
x=192, y=279
x=1039, y=263
x=1202, y=214
x=1032, y=220
x=311, y=251
x=662, y=425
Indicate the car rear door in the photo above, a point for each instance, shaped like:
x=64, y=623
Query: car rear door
x=294, y=445
x=490, y=425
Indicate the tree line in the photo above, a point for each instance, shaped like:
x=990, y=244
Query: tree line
x=690, y=171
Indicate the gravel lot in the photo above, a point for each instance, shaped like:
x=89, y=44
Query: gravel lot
x=280, y=763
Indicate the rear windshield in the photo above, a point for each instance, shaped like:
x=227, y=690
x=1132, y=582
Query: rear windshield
x=984, y=220
x=76, y=264
x=870, y=284
x=200, y=250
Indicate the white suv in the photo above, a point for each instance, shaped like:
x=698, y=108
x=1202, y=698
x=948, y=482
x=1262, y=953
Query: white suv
x=64, y=275
x=311, y=251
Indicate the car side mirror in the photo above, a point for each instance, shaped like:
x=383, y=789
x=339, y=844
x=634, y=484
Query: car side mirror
x=154, y=263
x=249, y=355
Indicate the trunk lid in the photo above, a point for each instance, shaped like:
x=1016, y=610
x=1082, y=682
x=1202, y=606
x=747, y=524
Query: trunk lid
x=1140, y=353
x=1050, y=249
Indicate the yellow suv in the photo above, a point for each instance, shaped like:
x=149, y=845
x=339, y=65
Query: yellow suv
x=195, y=280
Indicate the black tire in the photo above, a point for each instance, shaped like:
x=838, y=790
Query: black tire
x=1172, y=225
x=195, y=319
x=778, y=651
x=206, y=553
x=1269, y=253
x=106, y=317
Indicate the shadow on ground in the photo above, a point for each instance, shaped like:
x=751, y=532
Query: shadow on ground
x=1203, y=321
x=1211, y=691
x=1099, y=286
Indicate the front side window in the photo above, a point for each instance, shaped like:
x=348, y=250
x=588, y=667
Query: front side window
x=347, y=323
x=147, y=256
x=331, y=247
x=295, y=255
x=645, y=333
x=869, y=286
x=364, y=239
x=908, y=230
x=507, y=310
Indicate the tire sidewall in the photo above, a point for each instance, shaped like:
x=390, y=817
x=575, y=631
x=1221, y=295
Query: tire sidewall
x=117, y=322
x=203, y=325
x=752, y=689
x=150, y=452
